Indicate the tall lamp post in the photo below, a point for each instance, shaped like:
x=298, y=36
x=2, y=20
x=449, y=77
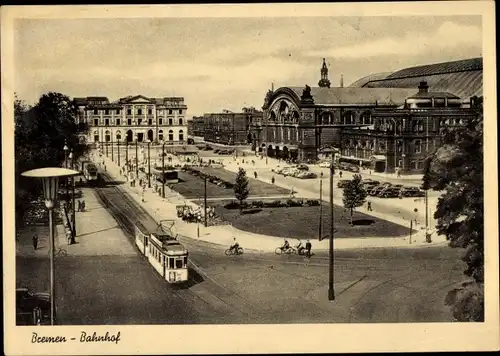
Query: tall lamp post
x=73, y=218
x=118, y=147
x=331, y=291
x=163, y=169
x=320, y=227
x=149, y=163
x=50, y=177
x=66, y=149
x=126, y=155
x=136, y=157
x=112, y=154
x=107, y=144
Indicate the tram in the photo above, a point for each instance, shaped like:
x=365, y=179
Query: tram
x=164, y=252
x=90, y=173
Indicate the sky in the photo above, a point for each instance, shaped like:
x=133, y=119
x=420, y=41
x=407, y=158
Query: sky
x=225, y=63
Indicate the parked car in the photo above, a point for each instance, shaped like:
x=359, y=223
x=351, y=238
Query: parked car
x=412, y=192
x=375, y=191
x=389, y=193
x=324, y=164
x=343, y=183
x=302, y=167
x=305, y=175
x=27, y=302
x=370, y=181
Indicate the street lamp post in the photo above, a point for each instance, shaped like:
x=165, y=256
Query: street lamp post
x=163, y=170
x=136, y=157
x=149, y=163
x=118, y=148
x=112, y=153
x=66, y=149
x=50, y=177
x=320, y=227
x=73, y=217
x=126, y=155
x=107, y=144
x=331, y=292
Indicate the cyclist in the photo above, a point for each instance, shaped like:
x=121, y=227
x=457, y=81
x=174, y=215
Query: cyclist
x=299, y=247
x=285, y=246
x=308, y=248
x=235, y=245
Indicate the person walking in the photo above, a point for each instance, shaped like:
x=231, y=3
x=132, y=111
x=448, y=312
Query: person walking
x=308, y=248
x=255, y=174
x=272, y=179
x=35, y=241
x=340, y=174
x=83, y=205
x=369, y=205
x=79, y=205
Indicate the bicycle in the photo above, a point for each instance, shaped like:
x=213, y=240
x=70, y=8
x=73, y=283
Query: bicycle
x=289, y=250
x=232, y=251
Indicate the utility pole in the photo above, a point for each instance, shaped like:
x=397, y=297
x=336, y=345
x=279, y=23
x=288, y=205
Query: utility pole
x=149, y=164
x=320, y=227
x=205, y=200
x=163, y=170
x=126, y=155
x=136, y=158
x=118, y=147
x=112, y=153
x=331, y=292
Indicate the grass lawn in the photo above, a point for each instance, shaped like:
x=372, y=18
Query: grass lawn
x=192, y=187
x=257, y=188
x=302, y=222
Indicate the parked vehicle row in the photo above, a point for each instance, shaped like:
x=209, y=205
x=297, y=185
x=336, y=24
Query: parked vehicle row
x=375, y=188
x=300, y=171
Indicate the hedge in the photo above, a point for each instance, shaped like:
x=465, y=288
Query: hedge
x=272, y=204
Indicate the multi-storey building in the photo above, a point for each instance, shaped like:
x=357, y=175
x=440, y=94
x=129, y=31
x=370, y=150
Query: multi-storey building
x=230, y=128
x=134, y=117
x=196, y=127
x=386, y=128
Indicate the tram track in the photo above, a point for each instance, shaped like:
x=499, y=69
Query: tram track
x=124, y=220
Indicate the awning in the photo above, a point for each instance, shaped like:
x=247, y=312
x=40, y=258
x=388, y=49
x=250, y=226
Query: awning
x=378, y=158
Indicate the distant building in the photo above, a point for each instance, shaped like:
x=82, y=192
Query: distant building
x=227, y=127
x=385, y=128
x=134, y=117
x=196, y=127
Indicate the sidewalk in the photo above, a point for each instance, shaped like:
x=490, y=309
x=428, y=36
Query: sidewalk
x=97, y=233
x=164, y=209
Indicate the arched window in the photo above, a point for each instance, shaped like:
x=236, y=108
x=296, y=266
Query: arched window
x=295, y=116
x=381, y=146
x=170, y=135
x=160, y=135
x=118, y=135
x=349, y=118
x=366, y=118
x=107, y=136
x=181, y=135
x=362, y=143
x=272, y=116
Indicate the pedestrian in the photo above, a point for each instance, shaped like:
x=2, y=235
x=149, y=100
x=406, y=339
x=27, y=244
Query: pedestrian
x=369, y=204
x=308, y=248
x=255, y=174
x=272, y=179
x=83, y=205
x=79, y=205
x=340, y=174
x=35, y=241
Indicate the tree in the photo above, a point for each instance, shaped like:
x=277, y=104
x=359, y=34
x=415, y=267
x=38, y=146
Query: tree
x=354, y=194
x=40, y=134
x=240, y=188
x=457, y=169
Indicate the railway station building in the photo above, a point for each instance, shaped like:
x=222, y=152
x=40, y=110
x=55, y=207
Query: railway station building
x=134, y=117
x=390, y=122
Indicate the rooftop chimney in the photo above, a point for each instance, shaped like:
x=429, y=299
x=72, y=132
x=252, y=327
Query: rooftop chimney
x=423, y=87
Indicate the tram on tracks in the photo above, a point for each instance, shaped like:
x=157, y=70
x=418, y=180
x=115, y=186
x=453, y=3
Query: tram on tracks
x=164, y=252
x=90, y=173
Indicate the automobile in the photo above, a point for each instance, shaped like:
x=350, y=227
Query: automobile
x=302, y=167
x=324, y=164
x=216, y=150
x=412, y=192
x=370, y=181
x=353, y=169
x=389, y=193
x=386, y=184
x=305, y=175
x=375, y=191
x=27, y=302
x=343, y=183
x=369, y=186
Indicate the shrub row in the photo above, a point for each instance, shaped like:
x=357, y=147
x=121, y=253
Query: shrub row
x=211, y=178
x=234, y=204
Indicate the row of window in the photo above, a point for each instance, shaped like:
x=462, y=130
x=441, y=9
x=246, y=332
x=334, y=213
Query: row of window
x=118, y=136
x=129, y=111
x=138, y=121
x=369, y=145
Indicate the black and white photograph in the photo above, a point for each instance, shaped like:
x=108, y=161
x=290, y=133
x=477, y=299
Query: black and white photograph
x=279, y=175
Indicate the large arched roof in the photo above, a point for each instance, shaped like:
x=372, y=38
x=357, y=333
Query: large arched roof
x=463, y=78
